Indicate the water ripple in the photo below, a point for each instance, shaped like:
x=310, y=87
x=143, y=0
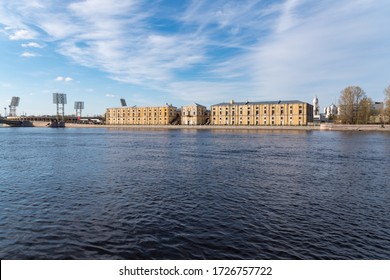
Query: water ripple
x=112, y=194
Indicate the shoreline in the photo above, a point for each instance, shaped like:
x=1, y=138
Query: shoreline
x=321, y=127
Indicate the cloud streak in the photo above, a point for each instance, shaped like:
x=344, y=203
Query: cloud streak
x=226, y=49
x=323, y=52
x=63, y=79
x=31, y=45
x=28, y=54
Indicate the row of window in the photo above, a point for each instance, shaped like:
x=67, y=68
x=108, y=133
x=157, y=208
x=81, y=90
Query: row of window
x=194, y=113
x=265, y=118
x=137, y=115
x=300, y=112
x=257, y=122
x=138, y=121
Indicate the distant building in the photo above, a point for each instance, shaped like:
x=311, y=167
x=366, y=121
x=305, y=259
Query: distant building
x=316, y=109
x=194, y=114
x=378, y=106
x=284, y=113
x=162, y=115
x=331, y=111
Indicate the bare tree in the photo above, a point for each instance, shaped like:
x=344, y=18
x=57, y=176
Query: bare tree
x=349, y=104
x=365, y=110
x=387, y=102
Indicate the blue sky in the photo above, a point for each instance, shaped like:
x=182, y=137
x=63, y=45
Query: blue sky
x=180, y=52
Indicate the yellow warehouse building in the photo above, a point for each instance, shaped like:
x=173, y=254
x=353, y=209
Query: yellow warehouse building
x=163, y=115
x=282, y=113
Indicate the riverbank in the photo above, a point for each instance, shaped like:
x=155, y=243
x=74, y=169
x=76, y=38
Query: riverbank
x=323, y=127
x=355, y=127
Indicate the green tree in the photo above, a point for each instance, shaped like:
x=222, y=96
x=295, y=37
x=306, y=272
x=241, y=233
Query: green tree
x=349, y=103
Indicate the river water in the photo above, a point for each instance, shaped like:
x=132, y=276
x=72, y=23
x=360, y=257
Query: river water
x=193, y=194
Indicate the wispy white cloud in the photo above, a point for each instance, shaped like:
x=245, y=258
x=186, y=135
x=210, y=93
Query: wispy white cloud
x=218, y=49
x=32, y=45
x=5, y=85
x=63, y=79
x=288, y=16
x=110, y=95
x=340, y=44
x=209, y=92
x=22, y=34
x=28, y=54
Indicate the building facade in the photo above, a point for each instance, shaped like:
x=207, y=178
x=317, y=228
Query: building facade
x=283, y=113
x=162, y=115
x=194, y=114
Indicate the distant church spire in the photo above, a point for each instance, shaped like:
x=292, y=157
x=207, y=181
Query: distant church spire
x=316, y=107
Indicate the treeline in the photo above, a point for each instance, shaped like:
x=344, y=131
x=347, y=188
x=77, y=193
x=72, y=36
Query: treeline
x=355, y=107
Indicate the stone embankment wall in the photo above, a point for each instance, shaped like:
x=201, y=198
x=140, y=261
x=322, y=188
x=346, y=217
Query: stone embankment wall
x=323, y=127
x=355, y=127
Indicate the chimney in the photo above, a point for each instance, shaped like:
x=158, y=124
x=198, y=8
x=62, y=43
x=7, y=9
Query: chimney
x=232, y=101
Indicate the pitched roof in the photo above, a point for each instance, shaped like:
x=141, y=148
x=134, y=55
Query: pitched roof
x=260, y=102
x=194, y=104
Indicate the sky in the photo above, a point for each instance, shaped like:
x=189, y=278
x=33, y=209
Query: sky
x=183, y=51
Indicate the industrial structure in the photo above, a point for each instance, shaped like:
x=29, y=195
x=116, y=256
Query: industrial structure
x=282, y=113
x=265, y=113
x=60, y=100
x=79, y=107
x=12, y=107
x=194, y=114
x=162, y=115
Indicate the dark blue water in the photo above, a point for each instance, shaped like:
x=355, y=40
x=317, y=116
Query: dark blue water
x=187, y=194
